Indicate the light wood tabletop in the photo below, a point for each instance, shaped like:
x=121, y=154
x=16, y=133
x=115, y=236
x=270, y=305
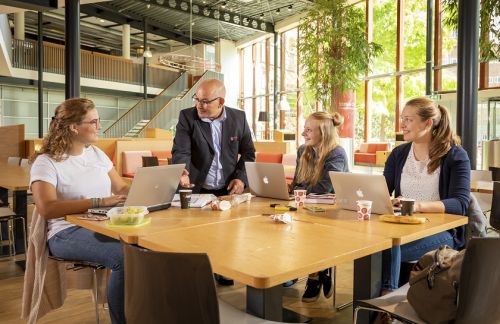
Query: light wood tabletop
x=400, y=233
x=261, y=253
x=14, y=177
x=175, y=218
x=482, y=186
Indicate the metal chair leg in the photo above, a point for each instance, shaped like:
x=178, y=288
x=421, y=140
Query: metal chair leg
x=335, y=306
x=96, y=293
x=12, y=237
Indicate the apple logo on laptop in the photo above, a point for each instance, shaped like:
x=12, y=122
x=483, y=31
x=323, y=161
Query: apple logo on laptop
x=265, y=180
x=359, y=193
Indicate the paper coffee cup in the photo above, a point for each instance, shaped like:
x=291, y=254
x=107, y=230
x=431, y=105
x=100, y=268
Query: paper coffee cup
x=300, y=197
x=407, y=206
x=185, y=196
x=364, y=209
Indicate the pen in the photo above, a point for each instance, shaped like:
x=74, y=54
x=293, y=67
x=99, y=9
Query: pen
x=285, y=208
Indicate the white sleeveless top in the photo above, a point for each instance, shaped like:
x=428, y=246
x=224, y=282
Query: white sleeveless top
x=416, y=183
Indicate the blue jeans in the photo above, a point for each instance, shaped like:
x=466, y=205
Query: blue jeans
x=392, y=258
x=78, y=243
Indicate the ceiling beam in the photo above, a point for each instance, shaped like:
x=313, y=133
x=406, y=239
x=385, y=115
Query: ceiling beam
x=214, y=13
x=110, y=14
x=36, y=5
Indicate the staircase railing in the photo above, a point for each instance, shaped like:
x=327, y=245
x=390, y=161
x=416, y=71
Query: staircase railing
x=146, y=109
x=168, y=116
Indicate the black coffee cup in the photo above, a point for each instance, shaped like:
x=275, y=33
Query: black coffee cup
x=407, y=206
x=185, y=196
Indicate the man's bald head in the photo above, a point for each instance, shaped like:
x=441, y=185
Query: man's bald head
x=212, y=88
x=209, y=98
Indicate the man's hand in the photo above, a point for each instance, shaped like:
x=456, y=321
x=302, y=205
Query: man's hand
x=236, y=186
x=184, y=182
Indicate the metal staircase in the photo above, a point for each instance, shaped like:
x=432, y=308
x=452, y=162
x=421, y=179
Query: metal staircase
x=160, y=112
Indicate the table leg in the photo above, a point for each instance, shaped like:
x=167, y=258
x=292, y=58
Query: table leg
x=20, y=207
x=268, y=304
x=4, y=197
x=367, y=281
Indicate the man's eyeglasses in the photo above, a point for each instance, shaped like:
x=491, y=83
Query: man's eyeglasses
x=203, y=101
x=94, y=122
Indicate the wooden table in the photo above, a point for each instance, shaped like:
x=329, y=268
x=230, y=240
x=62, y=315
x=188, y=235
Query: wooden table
x=263, y=254
x=244, y=245
x=16, y=179
x=482, y=186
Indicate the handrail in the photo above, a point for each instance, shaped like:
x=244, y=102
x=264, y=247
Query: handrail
x=139, y=103
x=167, y=117
x=93, y=65
x=137, y=117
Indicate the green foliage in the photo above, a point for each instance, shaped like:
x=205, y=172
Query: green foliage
x=334, y=49
x=489, y=35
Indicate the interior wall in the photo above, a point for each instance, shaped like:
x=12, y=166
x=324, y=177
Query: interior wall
x=226, y=55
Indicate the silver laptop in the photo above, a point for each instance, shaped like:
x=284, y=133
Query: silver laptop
x=267, y=180
x=351, y=187
x=153, y=187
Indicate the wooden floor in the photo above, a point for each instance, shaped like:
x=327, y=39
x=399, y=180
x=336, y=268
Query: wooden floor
x=78, y=307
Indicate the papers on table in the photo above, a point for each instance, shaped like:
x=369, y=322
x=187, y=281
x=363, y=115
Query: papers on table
x=197, y=200
x=328, y=198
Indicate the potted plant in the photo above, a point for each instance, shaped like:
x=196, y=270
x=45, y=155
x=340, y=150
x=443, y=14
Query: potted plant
x=334, y=53
x=489, y=35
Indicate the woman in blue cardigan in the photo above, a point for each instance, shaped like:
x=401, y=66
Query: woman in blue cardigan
x=431, y=168
x=319, y=155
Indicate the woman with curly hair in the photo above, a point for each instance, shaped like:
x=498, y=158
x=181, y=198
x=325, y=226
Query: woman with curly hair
x=69, y=175
x=319, y=155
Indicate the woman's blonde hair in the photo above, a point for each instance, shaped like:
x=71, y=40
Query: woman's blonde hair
x=310, y=168
x=58, y=140
x=442, y=136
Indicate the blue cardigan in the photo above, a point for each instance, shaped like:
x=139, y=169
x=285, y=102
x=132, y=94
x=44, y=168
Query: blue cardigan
x=335, y=161
x=454, y=180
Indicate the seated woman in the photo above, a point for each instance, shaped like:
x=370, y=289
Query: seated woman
x=432, y=169
x=69, y=176
x=319, y=155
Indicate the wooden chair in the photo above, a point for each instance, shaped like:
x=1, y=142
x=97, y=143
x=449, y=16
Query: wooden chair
x=8, y=216
x=13, y=160
x=149, y=161
x=478, y=289
x=76, y=265
x=163, y=287
x=495, y=208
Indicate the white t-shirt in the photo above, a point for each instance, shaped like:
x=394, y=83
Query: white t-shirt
x=416, y=183
x=77, y=177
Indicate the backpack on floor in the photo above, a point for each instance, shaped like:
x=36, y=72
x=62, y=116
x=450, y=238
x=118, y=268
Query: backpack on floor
x=434, y=281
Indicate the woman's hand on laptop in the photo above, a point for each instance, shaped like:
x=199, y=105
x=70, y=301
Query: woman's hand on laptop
x=185, y=182
x=113, y=200
x=236, y=186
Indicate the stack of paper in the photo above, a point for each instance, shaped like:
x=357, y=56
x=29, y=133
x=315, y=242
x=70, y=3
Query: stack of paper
x=197, y=200
x=328, y=198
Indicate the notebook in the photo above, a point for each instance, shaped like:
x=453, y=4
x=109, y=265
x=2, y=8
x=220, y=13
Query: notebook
x=153, y=187
x=267, y=180
x=351, y=187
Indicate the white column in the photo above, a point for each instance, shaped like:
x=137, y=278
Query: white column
x=126, y=41
x=19, y=25
x=226, y=55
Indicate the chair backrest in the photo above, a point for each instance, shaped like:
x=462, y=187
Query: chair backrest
x=149, y=161
x=24, y=163
x=480, y=175
x=495, y=206
x=480, y=283
x=168, y=287
x=495, y=172
x=13, y=160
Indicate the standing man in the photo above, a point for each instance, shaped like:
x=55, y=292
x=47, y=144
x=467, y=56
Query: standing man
x=214, y=141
